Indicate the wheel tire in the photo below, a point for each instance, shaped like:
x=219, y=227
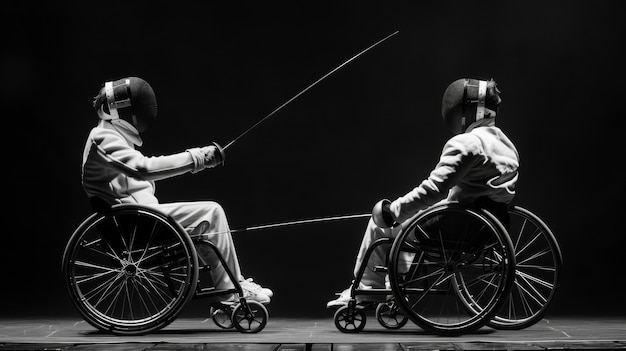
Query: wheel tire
x=390, y=316
x=222, y=317
x=251, y=319
x=348, y=322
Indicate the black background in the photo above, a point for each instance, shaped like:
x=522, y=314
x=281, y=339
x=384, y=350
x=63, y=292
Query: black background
x=371, y=130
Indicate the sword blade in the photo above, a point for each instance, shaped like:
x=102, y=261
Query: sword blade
x=286, y=224
x=309, y=87
x=303, y=221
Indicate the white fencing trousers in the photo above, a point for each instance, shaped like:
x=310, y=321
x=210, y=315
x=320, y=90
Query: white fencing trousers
x=208, y=217
x=378, y=256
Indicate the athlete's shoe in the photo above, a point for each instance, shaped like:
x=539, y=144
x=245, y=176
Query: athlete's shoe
x=251, y=285
x=251, y=292
x=341, y=300
x=344, y=298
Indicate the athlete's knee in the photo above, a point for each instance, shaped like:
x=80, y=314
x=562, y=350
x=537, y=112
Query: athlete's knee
x=374, y=231
x=217, y=208
x=210, y=208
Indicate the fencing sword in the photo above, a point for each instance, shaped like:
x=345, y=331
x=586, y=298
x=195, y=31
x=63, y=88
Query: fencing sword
x=302, y=92
x=303, y=221
x=291, y=223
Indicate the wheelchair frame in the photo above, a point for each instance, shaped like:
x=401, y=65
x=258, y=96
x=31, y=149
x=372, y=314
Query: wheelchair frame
x=508, y=307
x=131, y=270
x=163, y=289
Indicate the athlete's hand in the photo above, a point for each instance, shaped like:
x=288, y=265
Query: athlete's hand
x=213, y=156
x=381, y=214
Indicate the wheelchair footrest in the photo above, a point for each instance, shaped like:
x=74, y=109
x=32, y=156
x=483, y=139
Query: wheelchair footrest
x=380, y=269
x=205, y=290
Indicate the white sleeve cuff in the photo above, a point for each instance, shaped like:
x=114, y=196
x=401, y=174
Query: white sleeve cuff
x=197, y=155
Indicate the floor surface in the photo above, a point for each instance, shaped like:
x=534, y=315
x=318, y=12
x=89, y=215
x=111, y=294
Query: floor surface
x=312, y=334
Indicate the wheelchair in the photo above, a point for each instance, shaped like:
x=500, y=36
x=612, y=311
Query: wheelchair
x=130, y=270
x=539, y=262
x=454, y=269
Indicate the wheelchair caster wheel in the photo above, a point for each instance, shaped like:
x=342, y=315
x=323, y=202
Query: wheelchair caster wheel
x=222, y=317
x=389, y=316
x=249, y=317
x=350, y=320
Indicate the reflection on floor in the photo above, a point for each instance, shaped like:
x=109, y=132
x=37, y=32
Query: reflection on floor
x=311, y=335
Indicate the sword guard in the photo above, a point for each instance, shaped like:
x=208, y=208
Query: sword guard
x=222, y=154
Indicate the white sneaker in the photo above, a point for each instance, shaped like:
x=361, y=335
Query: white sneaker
x=342, y=300
x=256, y=287
x=344, y=297
x=255, y=292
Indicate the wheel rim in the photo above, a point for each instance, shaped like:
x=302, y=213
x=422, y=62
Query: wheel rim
x=446, y=261
x=250, y=320
x=389, y=315
x=539, y=261
x=130, y=270
x=222, y=318
x=350, y=321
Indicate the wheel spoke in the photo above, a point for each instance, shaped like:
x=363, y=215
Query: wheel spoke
x=95, y=266
x=121, y=234
x=132, y=240
x=482, y=279
x=130, y=303
x=94, y=247
x=439, y=272
x=535, y=256
x=426, y=291
x=519, y=236
x=537, y=234
x=539, y=281
x=531, y=291
x=104, y=288
x=163, y=295
x=114, y=300
x=143, y=300
x=84, y=278
x=148, y=242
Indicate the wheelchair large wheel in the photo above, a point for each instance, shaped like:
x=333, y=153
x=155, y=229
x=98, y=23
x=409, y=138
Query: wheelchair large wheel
x=444, y=260
x=130, y=270
x=538, y=266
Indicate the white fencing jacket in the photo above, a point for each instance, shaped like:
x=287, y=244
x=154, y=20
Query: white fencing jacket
x=118, y=173
x=480, y=162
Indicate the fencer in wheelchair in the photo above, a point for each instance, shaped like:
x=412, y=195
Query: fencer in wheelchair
x=418, y=246
x=133, y=265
